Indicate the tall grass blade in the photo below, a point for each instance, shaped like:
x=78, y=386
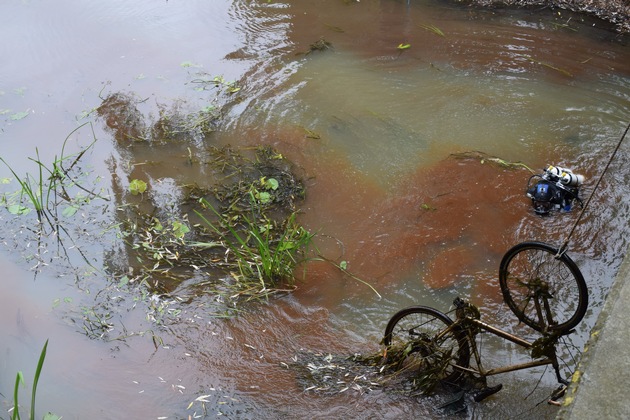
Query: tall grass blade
x=343, y=269
x=26, y=188
x=432, y=28
x=40, y=365
x=260, y=253
x=19, y=379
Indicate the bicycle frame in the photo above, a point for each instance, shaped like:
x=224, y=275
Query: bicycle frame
x=468, y=323
x=507, y=336
x=543, y=287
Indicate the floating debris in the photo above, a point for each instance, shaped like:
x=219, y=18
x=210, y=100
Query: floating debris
x=484, y=157
x=331, y=374
x=320, y=45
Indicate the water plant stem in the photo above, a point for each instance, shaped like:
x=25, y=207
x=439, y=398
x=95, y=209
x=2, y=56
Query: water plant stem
x=15, y=415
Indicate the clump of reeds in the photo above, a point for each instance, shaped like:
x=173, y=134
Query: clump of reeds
x=48, y=192
x=261, y=249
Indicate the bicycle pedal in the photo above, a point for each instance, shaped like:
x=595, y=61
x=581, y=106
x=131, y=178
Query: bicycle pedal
x=484, y=393
x=557, y=394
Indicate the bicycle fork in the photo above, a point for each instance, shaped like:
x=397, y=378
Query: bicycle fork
x=546, y=321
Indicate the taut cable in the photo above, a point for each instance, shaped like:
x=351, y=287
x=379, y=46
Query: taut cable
x=563, y=248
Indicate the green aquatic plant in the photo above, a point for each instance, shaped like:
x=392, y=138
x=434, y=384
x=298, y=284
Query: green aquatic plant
x=137, y=186
x=19, y=380
x=263, y=192
x=254, y=202
x=261, y=249
x=56, y=191
x=19, y=115
x=218, y=82
x=343, y=267
x=161, y=241
x=432, y=28
x=50, y=187
x=31, y=187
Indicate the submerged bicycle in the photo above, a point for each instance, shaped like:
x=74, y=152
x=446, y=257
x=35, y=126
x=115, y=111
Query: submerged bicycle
x=545, y=290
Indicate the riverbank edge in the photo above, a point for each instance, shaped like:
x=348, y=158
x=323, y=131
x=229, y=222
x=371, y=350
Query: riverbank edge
x=615, y=12
x=599, y=387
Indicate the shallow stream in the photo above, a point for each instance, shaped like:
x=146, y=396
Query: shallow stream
x=372, y=122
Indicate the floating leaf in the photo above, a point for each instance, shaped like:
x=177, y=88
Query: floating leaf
x=263, y=197
x=19, y=115
x=57, y=301
x=285, y=246
x=403, y=46
x=70, y=211
x=157, y=225
x=180, y=229
x=137, y=186
x=343, y=265
x=189, y=64
x=18, y=209
x=270, y=184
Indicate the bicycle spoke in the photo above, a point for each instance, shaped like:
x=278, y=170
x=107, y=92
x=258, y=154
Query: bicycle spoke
x=544, y=290
x=420, y=338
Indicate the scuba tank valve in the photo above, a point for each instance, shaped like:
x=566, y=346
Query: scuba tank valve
x=565, y=176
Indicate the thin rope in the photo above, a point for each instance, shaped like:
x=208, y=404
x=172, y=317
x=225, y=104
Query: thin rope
x=563, y=248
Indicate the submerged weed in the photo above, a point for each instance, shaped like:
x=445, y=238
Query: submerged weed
x=236, y=241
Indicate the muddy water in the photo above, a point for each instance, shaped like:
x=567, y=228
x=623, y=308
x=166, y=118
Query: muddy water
x=371, y=126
